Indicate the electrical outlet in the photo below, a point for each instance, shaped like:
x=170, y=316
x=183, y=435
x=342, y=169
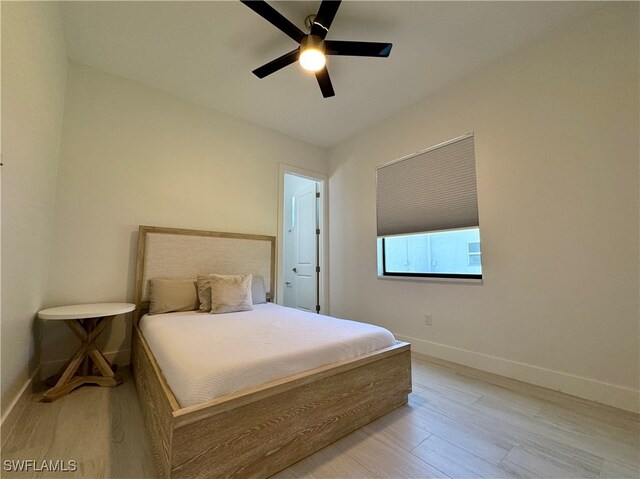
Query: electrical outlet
x=428, y=320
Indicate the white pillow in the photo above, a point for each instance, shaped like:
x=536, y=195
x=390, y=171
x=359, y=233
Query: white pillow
x=258, y=294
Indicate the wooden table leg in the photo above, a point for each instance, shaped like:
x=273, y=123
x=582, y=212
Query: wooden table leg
x=87, y=366
x=87, y=354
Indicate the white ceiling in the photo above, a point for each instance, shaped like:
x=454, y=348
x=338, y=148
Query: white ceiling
x=205, y=52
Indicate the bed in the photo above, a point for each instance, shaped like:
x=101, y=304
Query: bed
x=203, y=423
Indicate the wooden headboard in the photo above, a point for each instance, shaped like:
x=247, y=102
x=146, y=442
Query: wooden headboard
x=180, y=253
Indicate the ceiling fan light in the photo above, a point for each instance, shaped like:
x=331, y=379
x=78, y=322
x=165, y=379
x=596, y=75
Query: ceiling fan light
x=312, y=59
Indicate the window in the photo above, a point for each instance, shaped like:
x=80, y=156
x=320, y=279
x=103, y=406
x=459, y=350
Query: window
x=473, y=253
x=427, y=213
x=444, y=254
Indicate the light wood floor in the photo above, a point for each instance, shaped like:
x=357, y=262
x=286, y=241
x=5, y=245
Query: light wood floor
x=459, y=423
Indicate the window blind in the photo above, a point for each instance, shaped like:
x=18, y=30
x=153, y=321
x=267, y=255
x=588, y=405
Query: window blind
x=431, y=191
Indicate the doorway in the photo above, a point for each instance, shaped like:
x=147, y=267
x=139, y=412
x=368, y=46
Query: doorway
x=302, y=242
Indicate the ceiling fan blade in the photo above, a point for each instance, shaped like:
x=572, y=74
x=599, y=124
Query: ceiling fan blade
x=271, y=15
x=277, y=64
x=324, y=18
x=325, y=83
x=357, y=49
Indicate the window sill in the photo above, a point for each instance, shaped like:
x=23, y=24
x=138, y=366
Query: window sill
x=430, y=279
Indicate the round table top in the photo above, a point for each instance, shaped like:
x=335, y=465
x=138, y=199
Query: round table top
x=85, y=311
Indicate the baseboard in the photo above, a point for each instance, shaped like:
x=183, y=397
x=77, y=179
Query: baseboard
x=16, y=408
x=605, y=393
x=121, y=357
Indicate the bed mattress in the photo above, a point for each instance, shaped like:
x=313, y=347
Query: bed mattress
x=205, y=356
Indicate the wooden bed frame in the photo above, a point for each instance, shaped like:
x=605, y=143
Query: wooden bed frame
x=262, y=430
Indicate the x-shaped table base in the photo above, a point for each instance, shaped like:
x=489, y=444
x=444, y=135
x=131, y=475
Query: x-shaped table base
x=87, y=330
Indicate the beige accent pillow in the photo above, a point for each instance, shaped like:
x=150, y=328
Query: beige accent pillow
x=168, y=295
x=230, y=293
x=204, y=294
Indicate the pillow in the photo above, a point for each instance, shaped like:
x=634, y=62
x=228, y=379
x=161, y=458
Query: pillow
x=230, y=293
x=204, y=294
x=168, y=295
x=258, y=294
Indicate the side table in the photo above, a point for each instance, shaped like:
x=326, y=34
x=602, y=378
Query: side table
x=86, y=321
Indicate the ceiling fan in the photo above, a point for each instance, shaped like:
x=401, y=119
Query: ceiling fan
x=313, y=47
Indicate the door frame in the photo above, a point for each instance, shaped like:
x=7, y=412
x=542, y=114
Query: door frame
x=324, y=232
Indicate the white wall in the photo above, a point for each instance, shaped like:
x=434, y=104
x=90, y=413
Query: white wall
x=34, y=66
x=133, y=155
x=556, y=134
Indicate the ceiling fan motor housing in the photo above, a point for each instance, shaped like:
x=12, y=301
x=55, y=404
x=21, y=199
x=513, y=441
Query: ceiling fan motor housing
x=312, y=42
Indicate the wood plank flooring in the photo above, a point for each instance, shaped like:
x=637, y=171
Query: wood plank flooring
x=459, y=423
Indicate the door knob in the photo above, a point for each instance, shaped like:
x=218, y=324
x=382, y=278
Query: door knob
x=295, y=270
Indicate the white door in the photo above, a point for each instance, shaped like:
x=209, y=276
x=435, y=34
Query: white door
x=303, y=271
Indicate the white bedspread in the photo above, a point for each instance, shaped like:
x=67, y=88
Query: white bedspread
x=204, y=356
